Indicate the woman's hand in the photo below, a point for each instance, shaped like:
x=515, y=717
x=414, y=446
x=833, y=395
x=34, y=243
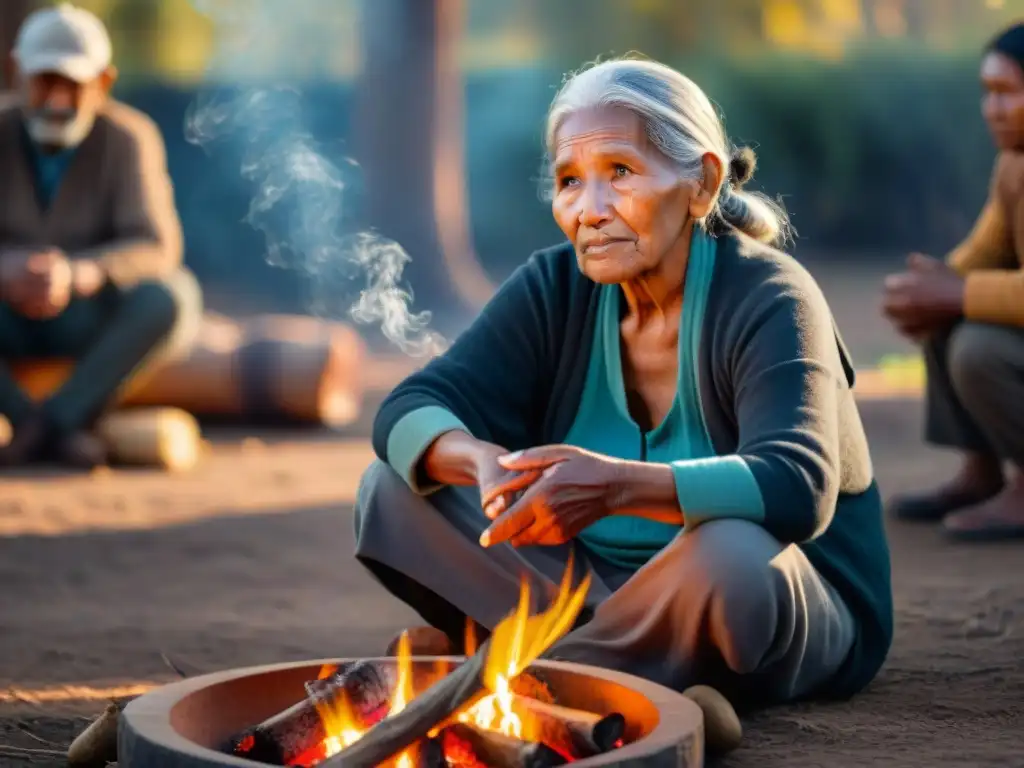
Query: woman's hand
x=929, y=296
x=458, y=458
x=572, y=489
x=499, y=485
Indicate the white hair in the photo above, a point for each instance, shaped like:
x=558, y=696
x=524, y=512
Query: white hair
x=682, y=123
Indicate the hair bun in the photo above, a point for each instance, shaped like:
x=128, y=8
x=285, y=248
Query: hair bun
x=741, y=166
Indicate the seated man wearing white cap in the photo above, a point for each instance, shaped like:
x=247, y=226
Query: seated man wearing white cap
x=90, y=241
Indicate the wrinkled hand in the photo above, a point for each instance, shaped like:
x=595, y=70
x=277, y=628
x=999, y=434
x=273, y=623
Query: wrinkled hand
x=499, y=486
x=927, y=297
x=575, y=488
x=37, y=284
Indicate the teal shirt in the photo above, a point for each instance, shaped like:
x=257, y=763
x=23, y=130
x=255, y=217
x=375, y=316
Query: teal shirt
x=50, y=171
x=603, y=423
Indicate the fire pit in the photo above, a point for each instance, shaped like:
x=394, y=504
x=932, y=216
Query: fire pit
x=188, y=724
x=501, y=707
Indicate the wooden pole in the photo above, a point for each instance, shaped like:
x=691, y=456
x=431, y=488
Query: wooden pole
x=451, y=199
x=408, y=95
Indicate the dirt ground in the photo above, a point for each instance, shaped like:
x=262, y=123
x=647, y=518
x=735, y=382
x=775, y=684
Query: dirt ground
x=247, y=561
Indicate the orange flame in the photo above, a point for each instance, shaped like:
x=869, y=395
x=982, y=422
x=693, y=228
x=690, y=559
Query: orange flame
x=517, y=641
x=403, y=695
x=343, y=727
x=469, y=643
x=326, y=671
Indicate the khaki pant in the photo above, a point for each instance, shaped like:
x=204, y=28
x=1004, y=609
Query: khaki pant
x=975, y=395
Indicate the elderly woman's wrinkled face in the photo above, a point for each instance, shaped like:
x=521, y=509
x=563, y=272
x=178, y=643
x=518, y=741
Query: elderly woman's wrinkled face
x=622, y=203
x=1003, y=102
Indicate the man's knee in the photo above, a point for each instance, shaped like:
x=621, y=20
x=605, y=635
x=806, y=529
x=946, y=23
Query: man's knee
x=173, y=307
x=731, y=563
x=982, y=359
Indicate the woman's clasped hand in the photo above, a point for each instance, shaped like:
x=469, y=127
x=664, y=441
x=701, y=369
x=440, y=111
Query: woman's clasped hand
x=556, y=492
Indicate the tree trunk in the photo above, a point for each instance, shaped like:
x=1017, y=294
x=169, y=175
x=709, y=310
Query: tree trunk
x=867, y=15
x=12, y=14
x=408, y=136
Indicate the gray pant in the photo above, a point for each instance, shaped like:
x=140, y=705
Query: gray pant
x=975, y=395
x=724, y=604
x=111, y=336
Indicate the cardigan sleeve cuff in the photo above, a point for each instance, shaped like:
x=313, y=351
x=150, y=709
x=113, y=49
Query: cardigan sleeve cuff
x=410, y=438
x=995, y=296
x=716, y=488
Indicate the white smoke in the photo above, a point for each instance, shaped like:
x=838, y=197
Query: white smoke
x=298, y=201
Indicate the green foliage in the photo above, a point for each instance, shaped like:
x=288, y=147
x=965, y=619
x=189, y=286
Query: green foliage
x=884, y=147
x=884, y=151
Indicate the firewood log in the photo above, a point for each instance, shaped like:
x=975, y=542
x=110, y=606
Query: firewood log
x=495, y=750
x=429, y=709
x=270, y=367
x=154, y=437
x=366, y=687
x=572, y=731
x=431, y=754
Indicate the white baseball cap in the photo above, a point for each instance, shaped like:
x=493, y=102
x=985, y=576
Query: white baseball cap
x=66, y=40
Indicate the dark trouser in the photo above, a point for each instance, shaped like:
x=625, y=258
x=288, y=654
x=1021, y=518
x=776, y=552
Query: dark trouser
x=975, y=395
x=724, y=604
x=111, y=336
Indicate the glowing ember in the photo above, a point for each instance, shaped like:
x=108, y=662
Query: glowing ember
x=517, y=641
x=344, y=728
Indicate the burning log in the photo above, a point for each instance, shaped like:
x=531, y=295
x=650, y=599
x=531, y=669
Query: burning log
x=532, y=686
x=469, y=747
x=366, y=688
x=431, y=754
x=573, y=731
x=418, y=718
x=517, y=641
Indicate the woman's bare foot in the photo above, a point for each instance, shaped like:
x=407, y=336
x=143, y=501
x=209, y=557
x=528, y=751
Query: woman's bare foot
x=980, y=478
x=998, y=519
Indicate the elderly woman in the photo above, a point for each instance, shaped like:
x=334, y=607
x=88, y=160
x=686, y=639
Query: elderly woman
x=666, y=395
x=968, y=313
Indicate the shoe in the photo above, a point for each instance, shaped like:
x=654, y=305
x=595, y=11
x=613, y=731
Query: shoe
x=933, y=506
x=81, y=450
x=999, y=519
